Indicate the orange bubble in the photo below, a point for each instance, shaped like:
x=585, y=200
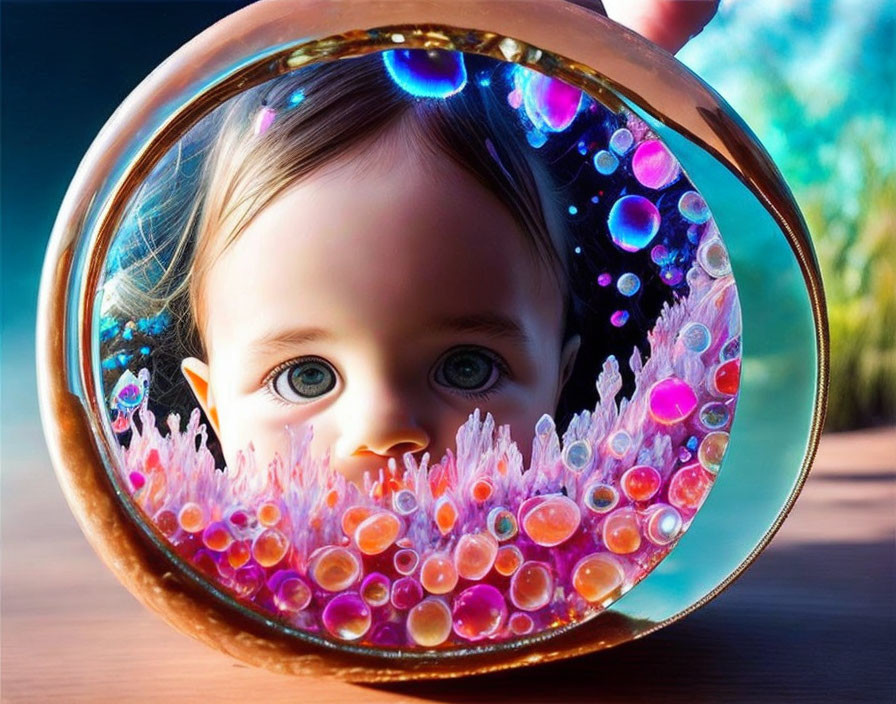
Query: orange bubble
x=475, y=554
x=689, y=486
x=270, y=547
x=532, y=586
x=552, y=521
x=508, y=560
x=352, y=517
x=216, y=537
x=438, y=574
x=429, y=622
x=268, y=513
x=332, y=498
x=482, y=490
x=377, y=532
x=598, y=577
x=621, y=533
x=238, y=554
x=445, y=514
x=334, y=568
x=641, y=482
x=191, y=517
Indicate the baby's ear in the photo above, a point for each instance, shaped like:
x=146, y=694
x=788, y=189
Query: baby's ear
x=568, y=358
x=197, y=374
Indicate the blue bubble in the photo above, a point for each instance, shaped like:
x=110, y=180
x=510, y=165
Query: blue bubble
x=605, y=162
x=628, y=284
x=536, y=138
x=693, y=208
x=621, y=140
x=633, y=222
x=426, y=73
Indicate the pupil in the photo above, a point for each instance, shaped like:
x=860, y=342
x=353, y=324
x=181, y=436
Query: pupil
x=468, y=371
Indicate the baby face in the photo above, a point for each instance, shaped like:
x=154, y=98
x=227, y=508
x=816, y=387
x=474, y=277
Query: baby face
x=381, y=307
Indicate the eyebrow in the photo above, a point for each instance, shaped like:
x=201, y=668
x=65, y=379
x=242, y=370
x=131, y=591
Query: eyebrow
x=492, y=324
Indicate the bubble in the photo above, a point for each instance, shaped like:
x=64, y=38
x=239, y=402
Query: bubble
x=619, y=443
x=508, y=560
x=619, y=318
x=573, y=210
x=552, y=521
x=620, y=532
x=601, y=498
x=551, y=104
x=688, y=487
x=268, y=513
x=532, y=586
x=352, y=518
x=660, y=255
x=671, y=275
x=479, y=612
x=347, y=616
x=475, y=554
x=712, y=450
x=604, y=280
x=501, y=523
x=671, y=400
x=641, y=482
x=520, y=623
x=429, y=622
x=653, y=165
x=445, y=514
x=430, y=73
x=605, y=162
x=375, y=589
x=404, y=502
x=577, y=456
x=726, y=378
x=405, y=561
x=695, y=337
x=633, y=222
x=406, y=592
x=598, y=577
x=376, y=533
x=238, y=554
x=191, y=517
x=438, y=574
x=628, y=284
x=292, y=595
x=248, y=580
x=621, y=140
x=270, y=547
x=482, y=490
x=241, y=522
x=714, y=415
x=663, y=524
x=693, y=208
x=216, y=536
x=334, y=568
x=730, y=350
x=536, y=138
x=713, y=257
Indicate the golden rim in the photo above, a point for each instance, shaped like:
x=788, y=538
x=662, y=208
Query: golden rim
x=534, y=38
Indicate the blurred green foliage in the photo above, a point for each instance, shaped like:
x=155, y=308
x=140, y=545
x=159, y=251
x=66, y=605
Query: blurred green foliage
x=816, y=81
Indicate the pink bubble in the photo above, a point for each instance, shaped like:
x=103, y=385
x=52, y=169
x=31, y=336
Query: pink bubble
x=653, y=164
x=551, y=101
x=479, y=612
x=671, y=401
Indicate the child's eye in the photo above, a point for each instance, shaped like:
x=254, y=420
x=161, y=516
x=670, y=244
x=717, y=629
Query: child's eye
x=303, y=381
x=475, y=372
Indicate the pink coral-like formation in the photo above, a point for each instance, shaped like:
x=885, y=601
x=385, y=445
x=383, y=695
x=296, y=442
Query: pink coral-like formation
x=474, y=548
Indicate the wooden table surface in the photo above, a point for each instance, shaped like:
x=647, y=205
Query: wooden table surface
x=811, y=620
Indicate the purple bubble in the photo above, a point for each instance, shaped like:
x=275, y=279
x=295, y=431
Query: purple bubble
x=479, y=612
x=671, y=275
x=633, y=222
x=619, y=318
x=604, y=279
x=347, y=616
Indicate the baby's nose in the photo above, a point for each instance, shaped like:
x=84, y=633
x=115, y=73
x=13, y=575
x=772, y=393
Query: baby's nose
x=385, y=426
